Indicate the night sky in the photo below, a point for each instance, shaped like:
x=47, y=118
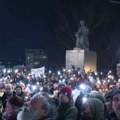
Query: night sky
x=51, y=24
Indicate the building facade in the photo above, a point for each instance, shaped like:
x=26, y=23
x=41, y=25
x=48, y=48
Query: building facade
x=35, y=58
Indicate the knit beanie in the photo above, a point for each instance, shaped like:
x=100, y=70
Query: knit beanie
x=67, y=91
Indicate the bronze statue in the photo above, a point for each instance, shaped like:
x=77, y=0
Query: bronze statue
x=82, y=40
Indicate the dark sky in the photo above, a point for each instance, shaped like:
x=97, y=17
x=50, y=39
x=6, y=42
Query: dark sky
x=51, y=24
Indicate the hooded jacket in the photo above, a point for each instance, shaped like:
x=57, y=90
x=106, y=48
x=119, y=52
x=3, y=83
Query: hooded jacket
x=66, y=111
x=97, y=108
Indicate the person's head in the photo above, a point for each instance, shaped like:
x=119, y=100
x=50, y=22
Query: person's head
x=93, y=109
x=116, y=101
x=60, y=85
x=23, y=87
x=55, y=83
x=82, y=22
x=108, y=101
x=14, y=103
x=18, y=90
x=8, y=89
x=39, y=107
x=65, y=94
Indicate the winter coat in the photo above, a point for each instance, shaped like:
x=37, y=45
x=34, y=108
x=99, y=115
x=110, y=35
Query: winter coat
x=47, y=118
x=66, y=111
x=97, y=108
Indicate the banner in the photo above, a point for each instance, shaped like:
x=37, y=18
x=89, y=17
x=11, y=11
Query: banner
x=38, y=71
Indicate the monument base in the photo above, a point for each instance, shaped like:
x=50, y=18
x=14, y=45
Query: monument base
x=83, y=59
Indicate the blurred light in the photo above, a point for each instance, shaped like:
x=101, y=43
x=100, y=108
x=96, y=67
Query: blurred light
x=50, y=71
x=61, y=76
x=96, y=73
x=41, y=88
x=16, y=70
x=59, y=73
x=109, y=72
x=64, y=70
x=21, y=83
x=71, y=78
x=11, y=80
x=44, y=76
x=98, y=82
x=4, y=70
x=74, y=91
x=63, y=80
x=79, y=72
x=104, y=81
x=111, y=76
x=9, y=71
x=33, y=76
x=26, y=98
x=101, y=73
x=28, y=85
x=36, y=75
x=69, y=70
x=82, y=86
x=84, y=99
x=37, y=83
x=74, y=75
x=91, y=79
x=33, y=87
x=108, y=80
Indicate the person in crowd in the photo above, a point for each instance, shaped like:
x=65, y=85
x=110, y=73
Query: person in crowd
x=54, y=102
x=38, y=108
x=7, y=94
x=116, y=102
x=12, y=108
x=23, y=87
x=20, y=93
x=109, y=113
x=78, y=103
x=66, y=109
x=54, y=88
x=92, y=109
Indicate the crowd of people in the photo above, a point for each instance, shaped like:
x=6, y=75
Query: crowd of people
x=59, y=95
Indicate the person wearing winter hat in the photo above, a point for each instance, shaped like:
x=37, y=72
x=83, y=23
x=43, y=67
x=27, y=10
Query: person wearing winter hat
x=66, y=109
x=108, y=101
x=93, y=109
x=109, y=113
x=116, y=102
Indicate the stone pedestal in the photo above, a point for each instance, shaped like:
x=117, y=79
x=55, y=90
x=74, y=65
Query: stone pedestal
x=83, y=59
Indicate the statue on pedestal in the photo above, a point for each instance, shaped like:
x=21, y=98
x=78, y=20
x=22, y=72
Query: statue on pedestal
x=82, y=41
